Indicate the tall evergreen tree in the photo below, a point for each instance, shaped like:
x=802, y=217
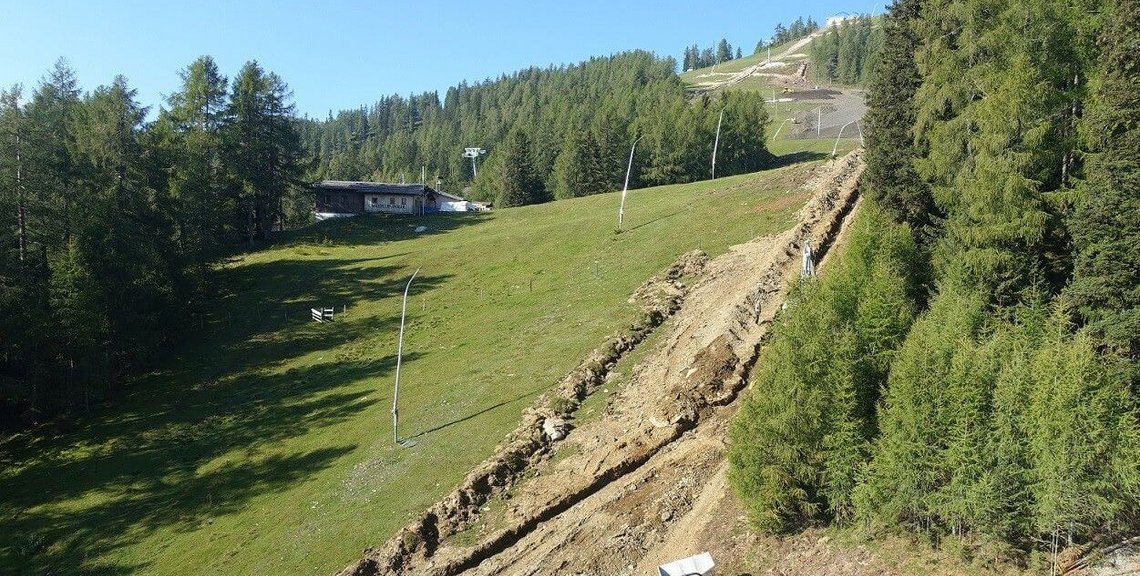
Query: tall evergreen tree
x=1105, y=289
x=518, y=184
x=264, y=148
x=890, y=177
x=723, y=51
x=193, y=124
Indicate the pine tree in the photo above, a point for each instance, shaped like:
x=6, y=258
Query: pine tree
x=1105, y=227
x=723, y=51
x=890, y=177
x=908, y=466
x=263, y=147
x=518, y=185
x=194, y=123
x=1084, y=439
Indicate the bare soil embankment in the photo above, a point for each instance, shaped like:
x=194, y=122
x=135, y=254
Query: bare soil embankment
x=640, y=485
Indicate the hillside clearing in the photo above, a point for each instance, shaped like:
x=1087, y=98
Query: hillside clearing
x=615, y=490
x=266, y=448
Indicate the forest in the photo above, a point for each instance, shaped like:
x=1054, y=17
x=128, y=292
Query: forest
x=967, y=372
x=549, y=133
x=113, y=222
x=794, y=31
x=847, y=53
x=694, y=57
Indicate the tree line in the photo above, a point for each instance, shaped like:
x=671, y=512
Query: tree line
x=967, y=371
x=549, y=133
x=790, y=33
x=111, y=222
x=695, y=57
x=847, y=53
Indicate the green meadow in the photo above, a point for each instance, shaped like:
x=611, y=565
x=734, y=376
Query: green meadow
x=263, y=444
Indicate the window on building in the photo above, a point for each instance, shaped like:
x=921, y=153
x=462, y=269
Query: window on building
x=391, y=200
x=404, y=201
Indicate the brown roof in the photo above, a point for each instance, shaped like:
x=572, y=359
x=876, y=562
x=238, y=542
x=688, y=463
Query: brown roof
x=371, y=187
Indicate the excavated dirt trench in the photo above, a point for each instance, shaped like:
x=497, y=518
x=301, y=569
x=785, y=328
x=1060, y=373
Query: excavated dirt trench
x=631, y=489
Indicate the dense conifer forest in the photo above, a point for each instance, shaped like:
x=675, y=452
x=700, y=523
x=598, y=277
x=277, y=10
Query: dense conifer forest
x=847, y=53
x=968, y=370
x=111, y=223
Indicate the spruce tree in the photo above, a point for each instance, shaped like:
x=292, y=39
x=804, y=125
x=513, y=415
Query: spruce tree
x=890, y=177
x=1105, y=289
x=723, y=51
x=518, y=184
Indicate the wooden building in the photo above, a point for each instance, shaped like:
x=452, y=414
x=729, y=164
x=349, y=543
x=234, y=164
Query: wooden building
x=337, y=198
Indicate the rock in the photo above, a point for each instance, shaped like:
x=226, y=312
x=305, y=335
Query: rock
x=555, y=428
x=666, y=515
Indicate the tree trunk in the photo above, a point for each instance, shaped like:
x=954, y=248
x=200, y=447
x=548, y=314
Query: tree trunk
x=21, y=209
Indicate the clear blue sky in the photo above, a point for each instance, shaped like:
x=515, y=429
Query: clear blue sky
x=337, y=55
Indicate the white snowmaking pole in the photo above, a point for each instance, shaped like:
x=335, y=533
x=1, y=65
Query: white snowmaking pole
x=859, y=125
x=625, y=189
x=399, y=359
x=780, y=128
x=716, y=142
x=818, y=120
x=835, y=148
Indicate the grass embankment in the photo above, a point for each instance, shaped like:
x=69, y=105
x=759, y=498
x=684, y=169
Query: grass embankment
x=265, y=446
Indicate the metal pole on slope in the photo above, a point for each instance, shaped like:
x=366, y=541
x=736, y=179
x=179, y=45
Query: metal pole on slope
x=835, y=148
x=399, y=360
x=780, y=128
x=624, y=189
x=716, y=142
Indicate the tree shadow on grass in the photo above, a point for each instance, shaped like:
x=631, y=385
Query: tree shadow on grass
x=374, y=229
x=59, y=541
x=202, y=437
x=189, y=443
x=478, y=413
x=796, y=158
x=187, y=458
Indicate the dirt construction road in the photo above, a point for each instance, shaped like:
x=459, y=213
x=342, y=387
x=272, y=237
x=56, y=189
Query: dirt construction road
x=642, y=484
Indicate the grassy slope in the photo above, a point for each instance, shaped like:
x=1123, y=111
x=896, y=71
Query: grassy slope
x=267, y=447
x=692, y=76
x=784, y=144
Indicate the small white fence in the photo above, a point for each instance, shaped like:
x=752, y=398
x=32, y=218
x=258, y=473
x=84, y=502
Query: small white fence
x=322, y=314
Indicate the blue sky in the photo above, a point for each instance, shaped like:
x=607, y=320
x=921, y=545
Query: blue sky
x=337, y=55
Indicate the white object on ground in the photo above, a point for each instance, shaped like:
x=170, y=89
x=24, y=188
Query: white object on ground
x=700, y=565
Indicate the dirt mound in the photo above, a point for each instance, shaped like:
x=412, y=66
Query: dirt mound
x=627, y=480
